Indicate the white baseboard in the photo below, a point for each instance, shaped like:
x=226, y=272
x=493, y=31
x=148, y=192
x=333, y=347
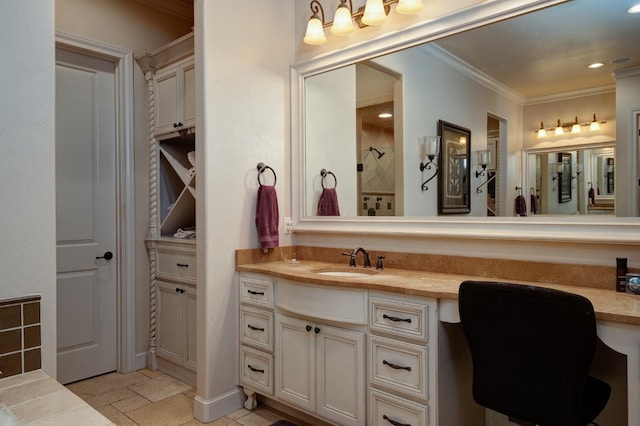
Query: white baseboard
x=141, y=360
x=209, y=410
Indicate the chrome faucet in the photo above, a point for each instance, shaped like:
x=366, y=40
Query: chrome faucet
x=352, y=260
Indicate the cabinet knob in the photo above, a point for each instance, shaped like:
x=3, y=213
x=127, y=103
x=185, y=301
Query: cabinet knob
x=179, y=290
x=316, y=330
x=309, y=328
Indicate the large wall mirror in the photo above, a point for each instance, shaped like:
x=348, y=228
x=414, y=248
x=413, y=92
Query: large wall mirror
x=363, y=120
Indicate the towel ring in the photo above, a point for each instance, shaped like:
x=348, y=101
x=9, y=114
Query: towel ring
x=324, y=173
x=261, y=168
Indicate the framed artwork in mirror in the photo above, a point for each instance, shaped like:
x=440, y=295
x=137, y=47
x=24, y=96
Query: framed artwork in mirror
x=454, y=180
x=564, y=178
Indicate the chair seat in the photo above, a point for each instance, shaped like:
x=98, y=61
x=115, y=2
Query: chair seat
x=596, y=395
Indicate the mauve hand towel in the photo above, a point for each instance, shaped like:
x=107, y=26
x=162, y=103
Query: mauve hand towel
x=534, y=204
x=267, y=216
x=592, y=196
x=328, y=203
x=521, y=205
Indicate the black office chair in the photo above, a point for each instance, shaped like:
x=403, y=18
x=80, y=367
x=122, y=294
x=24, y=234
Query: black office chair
x=531, y=350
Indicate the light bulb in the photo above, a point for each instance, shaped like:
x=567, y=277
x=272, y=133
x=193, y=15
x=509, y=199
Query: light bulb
x=409, y=7
x=342, y=22
x=374, y=13
x=315, y=32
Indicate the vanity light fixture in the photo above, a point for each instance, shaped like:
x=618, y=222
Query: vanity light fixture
x=574, y=126
x=374, y=12
x=559, y=131
x=483, y=162
x=428, y=148
x=542, y=133
x=595, y=65
x=558, y=168
x=385, y=115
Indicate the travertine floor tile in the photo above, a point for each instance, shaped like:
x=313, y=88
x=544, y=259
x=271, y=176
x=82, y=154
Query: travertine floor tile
x=258, y=418
x=239, y=413
x=106, y=383
x=81, y=416
x=28, y=391
x=150, y=373
x=160, y=387
x=110, y=397
x=130, y=404
x=172, y=411
x=45, y=406
x=116, y=416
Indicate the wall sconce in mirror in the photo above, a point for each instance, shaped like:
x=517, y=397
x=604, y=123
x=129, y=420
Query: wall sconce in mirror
x=428, y=148
x=557, y=170
x=483, y=162
x=374, y=12
x=575, y=127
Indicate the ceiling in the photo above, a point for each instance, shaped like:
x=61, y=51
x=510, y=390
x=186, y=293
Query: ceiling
x=182, y=9
x=547, y=52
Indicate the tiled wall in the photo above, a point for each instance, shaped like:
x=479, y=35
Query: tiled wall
x=19, y=335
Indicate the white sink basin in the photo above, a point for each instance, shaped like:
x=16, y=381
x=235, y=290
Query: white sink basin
x=345, y=272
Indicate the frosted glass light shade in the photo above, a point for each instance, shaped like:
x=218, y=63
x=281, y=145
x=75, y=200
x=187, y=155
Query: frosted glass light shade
x=559, y=130
x=374, y=13
x=315, y=32
x=408, y=7
x=594, y=124
x=342, y=22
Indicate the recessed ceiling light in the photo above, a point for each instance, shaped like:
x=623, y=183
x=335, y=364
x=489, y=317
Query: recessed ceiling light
x=385, y=115
x=634, y=9
x=620, y=60
x=596, y=65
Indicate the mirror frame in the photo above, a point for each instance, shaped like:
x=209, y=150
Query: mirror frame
x=583, y=229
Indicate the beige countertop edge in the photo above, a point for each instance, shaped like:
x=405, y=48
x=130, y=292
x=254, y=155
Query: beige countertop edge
x=609, y=305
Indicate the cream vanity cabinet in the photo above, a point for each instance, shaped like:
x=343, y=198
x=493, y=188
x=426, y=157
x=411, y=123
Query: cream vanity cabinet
x=175, y=97
x=402, y=360
x=348, y=356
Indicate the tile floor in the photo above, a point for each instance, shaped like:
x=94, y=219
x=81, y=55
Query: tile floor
x=151, y=398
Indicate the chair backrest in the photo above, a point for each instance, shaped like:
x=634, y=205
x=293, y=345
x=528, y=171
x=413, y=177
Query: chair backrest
x=531, y=349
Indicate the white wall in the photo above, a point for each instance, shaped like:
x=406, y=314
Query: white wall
x=128, y=25
x=242, y=87
x=627, y=105
x=435, y=90
x=27, y=173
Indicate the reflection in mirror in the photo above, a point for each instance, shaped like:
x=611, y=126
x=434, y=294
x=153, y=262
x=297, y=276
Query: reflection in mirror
x=498, y=71
x=573, y=181
x=453, y=188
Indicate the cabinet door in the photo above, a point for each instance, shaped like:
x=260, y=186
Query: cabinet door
x=340, y=363
x=169, y=322
x=190, y=346
x=295, y=361
x=166, y=100
x=188, y=107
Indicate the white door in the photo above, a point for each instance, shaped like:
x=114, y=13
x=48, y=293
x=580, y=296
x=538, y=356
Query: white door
x=85, y=216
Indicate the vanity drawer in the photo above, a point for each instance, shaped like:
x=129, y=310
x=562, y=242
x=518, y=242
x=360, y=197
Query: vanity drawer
x=256, y=370
x=399, y=366
x=256, y=292
x=399, y=318
x=174, y=264
x=388, y=410
x=256, y=328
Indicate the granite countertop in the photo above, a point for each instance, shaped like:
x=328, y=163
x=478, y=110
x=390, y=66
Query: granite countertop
x=608, y=304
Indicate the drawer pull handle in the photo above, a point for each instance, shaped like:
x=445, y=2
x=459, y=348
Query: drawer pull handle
x=261, y=293
x=182, y=265
x=396, y=319
x=395, y=366
x=180, y=290
x=255, y=328
x=393, y=422
x=257, y=370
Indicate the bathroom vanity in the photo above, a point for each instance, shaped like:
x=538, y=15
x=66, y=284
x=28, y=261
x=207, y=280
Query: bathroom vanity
x=352, y=346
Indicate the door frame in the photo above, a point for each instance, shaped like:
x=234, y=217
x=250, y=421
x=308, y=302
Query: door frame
x=125, y=189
